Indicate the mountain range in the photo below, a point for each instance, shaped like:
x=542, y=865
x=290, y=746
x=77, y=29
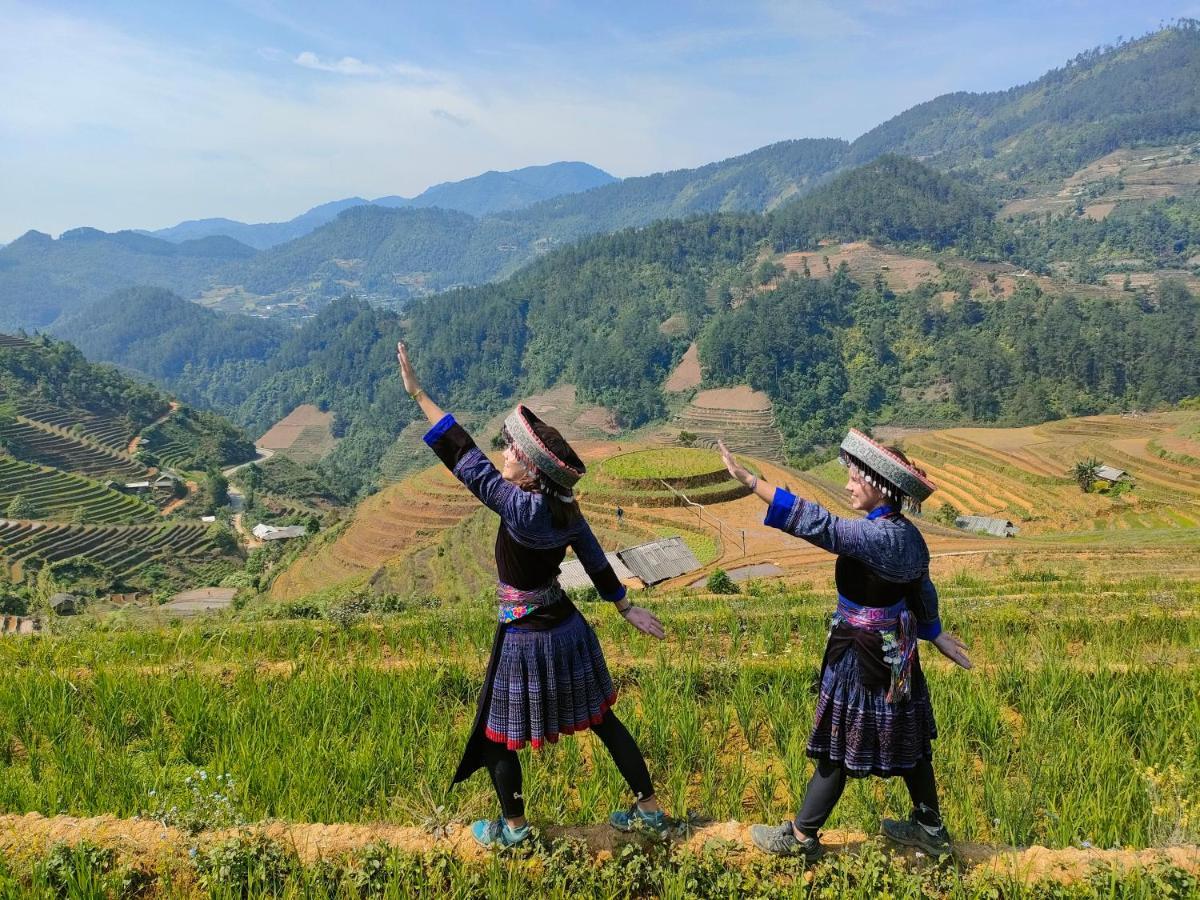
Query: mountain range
x=488, y=193
x=1008, y=144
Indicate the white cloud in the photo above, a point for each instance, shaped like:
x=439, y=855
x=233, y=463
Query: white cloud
x=347, y=65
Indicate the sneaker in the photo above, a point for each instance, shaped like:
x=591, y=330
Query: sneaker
x=496, y=833
x=781, y=840
x=911, y=833
x=635, y=818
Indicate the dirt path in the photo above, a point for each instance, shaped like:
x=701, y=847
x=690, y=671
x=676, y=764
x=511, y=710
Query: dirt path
x=148, y=841
x=137, y=438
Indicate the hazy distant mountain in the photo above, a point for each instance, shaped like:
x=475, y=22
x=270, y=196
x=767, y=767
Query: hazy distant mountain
x=260, y=236
x=42, y=279
x=494, y=192
x=487, y=193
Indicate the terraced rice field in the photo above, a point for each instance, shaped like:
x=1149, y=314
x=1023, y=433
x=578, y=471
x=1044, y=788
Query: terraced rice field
x=121, y=548
x=394, y=521
x=114, y=434
x=59, y=495
x=1076, y=730
x=49, y=446
x=1024, y=473
x=657, y=478
x=743, y=418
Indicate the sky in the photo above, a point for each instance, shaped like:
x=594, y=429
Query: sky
x=143, y=114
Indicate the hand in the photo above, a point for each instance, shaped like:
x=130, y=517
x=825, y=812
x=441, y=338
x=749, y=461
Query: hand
x=953, y=649
x=645, y=622
x=407, y=374
x=742, y=475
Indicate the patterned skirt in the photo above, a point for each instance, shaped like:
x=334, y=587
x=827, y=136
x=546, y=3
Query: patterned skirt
x=548, y=683
x=857, y=728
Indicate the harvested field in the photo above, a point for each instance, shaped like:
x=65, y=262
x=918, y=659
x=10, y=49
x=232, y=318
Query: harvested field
x=303, y=434
x=687, y=374
x=740, y=416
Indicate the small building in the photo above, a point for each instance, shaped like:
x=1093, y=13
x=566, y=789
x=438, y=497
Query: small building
x=1111, y=474
x=659, y=560
x=136, y=486
x=64, y=604
x=985, y=525
x=165, y=481
x=208, y=518
x=572, y=575
x=277, y=533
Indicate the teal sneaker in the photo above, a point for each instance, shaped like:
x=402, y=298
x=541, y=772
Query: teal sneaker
x=496, y=833
x=634, y=819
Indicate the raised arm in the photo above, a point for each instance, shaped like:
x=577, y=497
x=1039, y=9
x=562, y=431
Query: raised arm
x=456, y=449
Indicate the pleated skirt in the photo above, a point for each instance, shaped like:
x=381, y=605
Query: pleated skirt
x=857, y=728
x=548, y=683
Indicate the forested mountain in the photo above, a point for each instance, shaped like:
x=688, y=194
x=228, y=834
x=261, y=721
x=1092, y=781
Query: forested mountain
x=828, y=351
x=1142, y=91
x=1007, y=143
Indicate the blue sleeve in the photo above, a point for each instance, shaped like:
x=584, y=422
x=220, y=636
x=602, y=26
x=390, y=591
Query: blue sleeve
x=929, y=624
x=484, y=480
x=434, y=434
x=596, y=564
x=781, y=506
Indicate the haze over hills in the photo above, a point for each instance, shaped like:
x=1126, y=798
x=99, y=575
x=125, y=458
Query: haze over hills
x=487, y=193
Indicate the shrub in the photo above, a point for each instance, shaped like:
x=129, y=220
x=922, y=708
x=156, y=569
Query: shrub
x=947, y=515
x=719, y=582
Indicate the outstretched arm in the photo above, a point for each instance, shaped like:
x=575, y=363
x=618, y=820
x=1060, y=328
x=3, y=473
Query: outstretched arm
x=761, y=488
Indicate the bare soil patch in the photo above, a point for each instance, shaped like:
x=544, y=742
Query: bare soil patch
x=741, y=398
x=687, y=374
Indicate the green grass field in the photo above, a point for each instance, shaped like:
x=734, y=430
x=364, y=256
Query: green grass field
x=1083, y=697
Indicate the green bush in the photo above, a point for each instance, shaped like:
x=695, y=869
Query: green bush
x=719, y=582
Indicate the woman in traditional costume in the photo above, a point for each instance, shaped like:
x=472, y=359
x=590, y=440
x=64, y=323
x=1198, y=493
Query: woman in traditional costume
x=873, y=715
x=546, y=675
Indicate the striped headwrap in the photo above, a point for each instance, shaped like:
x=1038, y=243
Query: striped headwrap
x=900, y=481
x=522, y=427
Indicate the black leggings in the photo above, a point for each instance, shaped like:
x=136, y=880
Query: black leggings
x=829, y=780
x=505, y=767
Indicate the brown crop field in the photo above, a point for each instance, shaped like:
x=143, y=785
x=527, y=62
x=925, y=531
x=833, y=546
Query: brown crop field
x=303, y=434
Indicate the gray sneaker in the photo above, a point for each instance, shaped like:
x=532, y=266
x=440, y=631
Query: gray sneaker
x=781, y=840
x=911, y=833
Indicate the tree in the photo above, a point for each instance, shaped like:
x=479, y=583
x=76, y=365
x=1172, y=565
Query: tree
x=947, y=515
x=21, y=507
x=217, y=490
x=1084, y=473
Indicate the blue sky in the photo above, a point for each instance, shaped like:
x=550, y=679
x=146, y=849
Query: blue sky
x=142, y=114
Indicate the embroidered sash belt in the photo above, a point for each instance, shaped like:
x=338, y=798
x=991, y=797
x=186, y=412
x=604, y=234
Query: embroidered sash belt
x=896, y=628
x=516, y=603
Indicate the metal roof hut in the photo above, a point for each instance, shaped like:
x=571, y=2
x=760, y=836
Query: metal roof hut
x=1111, y=474
x=985, y=525
x=572, y=575
x=659, y=560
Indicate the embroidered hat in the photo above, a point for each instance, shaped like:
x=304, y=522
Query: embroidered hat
x=884, y=469
x=544, y=448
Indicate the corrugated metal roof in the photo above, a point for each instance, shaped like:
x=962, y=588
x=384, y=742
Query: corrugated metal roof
x=571, y=574
x=659, y=560
x=998, y=527
x=1108, y=473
